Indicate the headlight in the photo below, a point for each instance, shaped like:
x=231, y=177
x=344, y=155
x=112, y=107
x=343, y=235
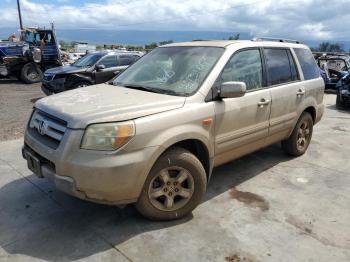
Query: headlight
x=108, y=137
x=37, y=55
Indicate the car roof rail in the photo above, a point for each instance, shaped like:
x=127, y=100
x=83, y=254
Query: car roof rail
x=282, y=40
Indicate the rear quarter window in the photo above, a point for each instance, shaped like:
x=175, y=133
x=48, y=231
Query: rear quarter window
x=307, y=63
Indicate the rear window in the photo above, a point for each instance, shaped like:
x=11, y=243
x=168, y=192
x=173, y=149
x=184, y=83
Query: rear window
x=307, y=63
x=280, y=66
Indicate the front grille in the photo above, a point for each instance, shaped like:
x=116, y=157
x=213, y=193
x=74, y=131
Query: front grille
x=47, y=129
x=48, y=77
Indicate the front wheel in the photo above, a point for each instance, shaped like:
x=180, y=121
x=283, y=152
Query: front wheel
x=300, y=138
x=80, y=85
x=31, y=73
x=174, y=187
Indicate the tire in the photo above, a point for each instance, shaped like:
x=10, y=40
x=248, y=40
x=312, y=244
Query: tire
x=299, y=140
x=80, y=85
x=31, y=73
x=166, y=180
x=339, y=104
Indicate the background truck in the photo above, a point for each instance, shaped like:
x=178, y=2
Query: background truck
x=36, y=51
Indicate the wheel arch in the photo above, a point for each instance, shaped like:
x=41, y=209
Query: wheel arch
x=312, y=111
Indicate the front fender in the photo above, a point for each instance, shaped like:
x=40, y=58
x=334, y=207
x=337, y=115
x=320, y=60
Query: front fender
x=165, y=129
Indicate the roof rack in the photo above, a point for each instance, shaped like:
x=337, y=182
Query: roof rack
x=276, y=40
x=332, y=53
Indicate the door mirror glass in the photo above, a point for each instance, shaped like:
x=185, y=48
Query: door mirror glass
x=232, y=89
x=100, y=67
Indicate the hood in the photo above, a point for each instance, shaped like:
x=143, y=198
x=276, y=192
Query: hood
x=106, y=103
x=66, y=69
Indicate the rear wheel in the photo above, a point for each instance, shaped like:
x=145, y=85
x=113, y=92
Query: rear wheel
x=174, y=187
x=31, y=73
x=299, y=140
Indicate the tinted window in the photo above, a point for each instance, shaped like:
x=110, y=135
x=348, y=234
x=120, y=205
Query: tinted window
x=109, y=61
x=293, y=69
x=280, y=66
x=307, y=63
x=125, y=60
x=246, y=67
x=88, y=60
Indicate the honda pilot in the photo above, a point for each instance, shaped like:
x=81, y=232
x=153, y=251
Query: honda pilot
x=155, y=135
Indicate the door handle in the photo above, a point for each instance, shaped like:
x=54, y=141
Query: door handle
x=301, y=92
x=263, y=102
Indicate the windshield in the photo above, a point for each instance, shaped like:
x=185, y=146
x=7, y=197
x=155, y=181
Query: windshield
x=31, y=37
x=88, y=60
x=171, y=70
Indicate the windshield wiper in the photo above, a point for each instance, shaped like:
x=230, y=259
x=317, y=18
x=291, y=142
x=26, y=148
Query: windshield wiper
x=151, y=89
x=143, y=88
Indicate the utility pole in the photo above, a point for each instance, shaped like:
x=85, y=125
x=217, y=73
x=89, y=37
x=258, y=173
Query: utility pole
x=19, y=14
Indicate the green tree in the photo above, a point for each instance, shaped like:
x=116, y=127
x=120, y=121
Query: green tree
x=151, y=46
x=166, y=42
x=235, y=37
x=329, y=47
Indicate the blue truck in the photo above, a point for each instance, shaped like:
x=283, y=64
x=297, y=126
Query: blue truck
x=27, y=59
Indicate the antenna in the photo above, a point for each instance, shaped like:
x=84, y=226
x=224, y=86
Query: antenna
x=19, y=14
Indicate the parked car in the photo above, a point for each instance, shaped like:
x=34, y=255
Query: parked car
x=93, y=68
x=26, y=59
x=336, y=66
x=155, y=136
x=343, y=92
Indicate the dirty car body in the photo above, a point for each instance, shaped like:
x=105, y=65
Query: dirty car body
x=155, y=135
x=93, y=68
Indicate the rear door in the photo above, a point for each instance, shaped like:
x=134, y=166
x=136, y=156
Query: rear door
x=242, y=123
x=287, y=91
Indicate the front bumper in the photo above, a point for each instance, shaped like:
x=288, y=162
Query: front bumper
x=109, y=178
x=53, y=86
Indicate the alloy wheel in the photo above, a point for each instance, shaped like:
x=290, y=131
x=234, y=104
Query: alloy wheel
x=303, y=138
x=171, y=189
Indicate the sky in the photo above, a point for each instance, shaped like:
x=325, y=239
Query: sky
x=298, y=19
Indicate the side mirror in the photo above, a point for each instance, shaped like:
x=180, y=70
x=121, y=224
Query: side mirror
x=100, y=67
x=232, y=89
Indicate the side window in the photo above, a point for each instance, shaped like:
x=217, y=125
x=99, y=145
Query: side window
x=125, y=60
x=307, y=63
x=245, y=66
x=109, y=61
x=280, y=66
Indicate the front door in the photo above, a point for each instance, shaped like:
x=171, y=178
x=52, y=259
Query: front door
x=110, y=64
x=242, y=123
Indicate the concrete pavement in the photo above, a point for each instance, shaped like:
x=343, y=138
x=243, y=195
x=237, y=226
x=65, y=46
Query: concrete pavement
x=263, y=207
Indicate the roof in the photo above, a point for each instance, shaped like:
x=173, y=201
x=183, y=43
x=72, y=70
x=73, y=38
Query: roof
x=226, y=43
x=213, y=43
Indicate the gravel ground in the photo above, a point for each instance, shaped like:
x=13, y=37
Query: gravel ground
x=16, y=102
